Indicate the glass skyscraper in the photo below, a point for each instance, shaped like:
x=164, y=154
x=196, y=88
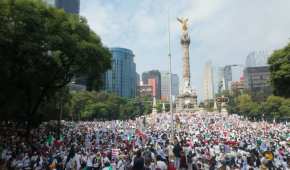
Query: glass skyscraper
x=121, y=79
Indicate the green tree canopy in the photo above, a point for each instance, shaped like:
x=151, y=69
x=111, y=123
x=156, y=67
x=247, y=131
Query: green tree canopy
x=280, y=71
x=245, y=104
x=285, y=108
x=272, y=105
x=41, y=49
x=108, y=106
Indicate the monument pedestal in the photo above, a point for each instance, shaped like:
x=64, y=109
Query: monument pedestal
x=224, y=109
x=186, y=103
x=154, y=110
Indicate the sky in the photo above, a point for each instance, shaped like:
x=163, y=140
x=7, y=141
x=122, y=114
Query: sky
x=222, y=31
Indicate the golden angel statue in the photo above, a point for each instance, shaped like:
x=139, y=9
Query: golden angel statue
x=183, y=22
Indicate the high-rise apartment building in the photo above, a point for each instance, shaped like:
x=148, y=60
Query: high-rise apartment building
x=165, y=85
x=208, y=87
x=121, y=79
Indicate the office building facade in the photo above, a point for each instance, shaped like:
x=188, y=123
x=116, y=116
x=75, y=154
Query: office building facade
x=121, y=79
x=145, y=90
x=165, y=85
x=208, y=87
x=137, y=79
x=238, y=87
x=257, y=80
x=153, y=74
x=257, y=58
x=257, y=74
x=228, y=76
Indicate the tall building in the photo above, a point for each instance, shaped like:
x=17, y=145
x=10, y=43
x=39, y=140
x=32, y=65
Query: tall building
x=218, y=79
x=208, y=89
x=238, y=87
x=257, y=74
x=257, y=80
x=137, y=79
x=153, y=83
x=165, y=85
x=70, y=6
x=228, y=76
x=175, y=85
x=257, y=58
x=144, y=90
x=121, y=79
x=153, y=74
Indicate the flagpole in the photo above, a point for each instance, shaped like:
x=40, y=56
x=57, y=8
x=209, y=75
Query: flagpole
x=170, y=75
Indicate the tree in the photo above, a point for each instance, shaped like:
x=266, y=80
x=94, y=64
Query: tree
x=247, y=107
x=41, y=49
x=244, y=104
x=285, y=108
x=272, y=106
x=280, y=71
x=107, y=106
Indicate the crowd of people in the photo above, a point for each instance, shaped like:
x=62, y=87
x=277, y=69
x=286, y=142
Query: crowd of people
x=198, y=141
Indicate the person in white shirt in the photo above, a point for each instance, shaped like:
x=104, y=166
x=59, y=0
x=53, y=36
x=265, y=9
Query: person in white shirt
x=90, y=160
x=77, y=159
x=160, y=164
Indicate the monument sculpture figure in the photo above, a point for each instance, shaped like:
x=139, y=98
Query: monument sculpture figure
x=187, y=100
x=183, y=23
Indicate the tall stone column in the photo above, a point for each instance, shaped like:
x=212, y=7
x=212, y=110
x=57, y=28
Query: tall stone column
x=185, y=41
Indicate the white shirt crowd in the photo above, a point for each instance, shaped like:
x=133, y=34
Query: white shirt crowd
x=201, y=141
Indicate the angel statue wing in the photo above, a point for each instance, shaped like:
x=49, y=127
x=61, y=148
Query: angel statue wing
x=183, y=23
x=180, y=20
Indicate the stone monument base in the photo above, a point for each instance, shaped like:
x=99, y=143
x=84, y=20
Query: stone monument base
x=186, y=103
